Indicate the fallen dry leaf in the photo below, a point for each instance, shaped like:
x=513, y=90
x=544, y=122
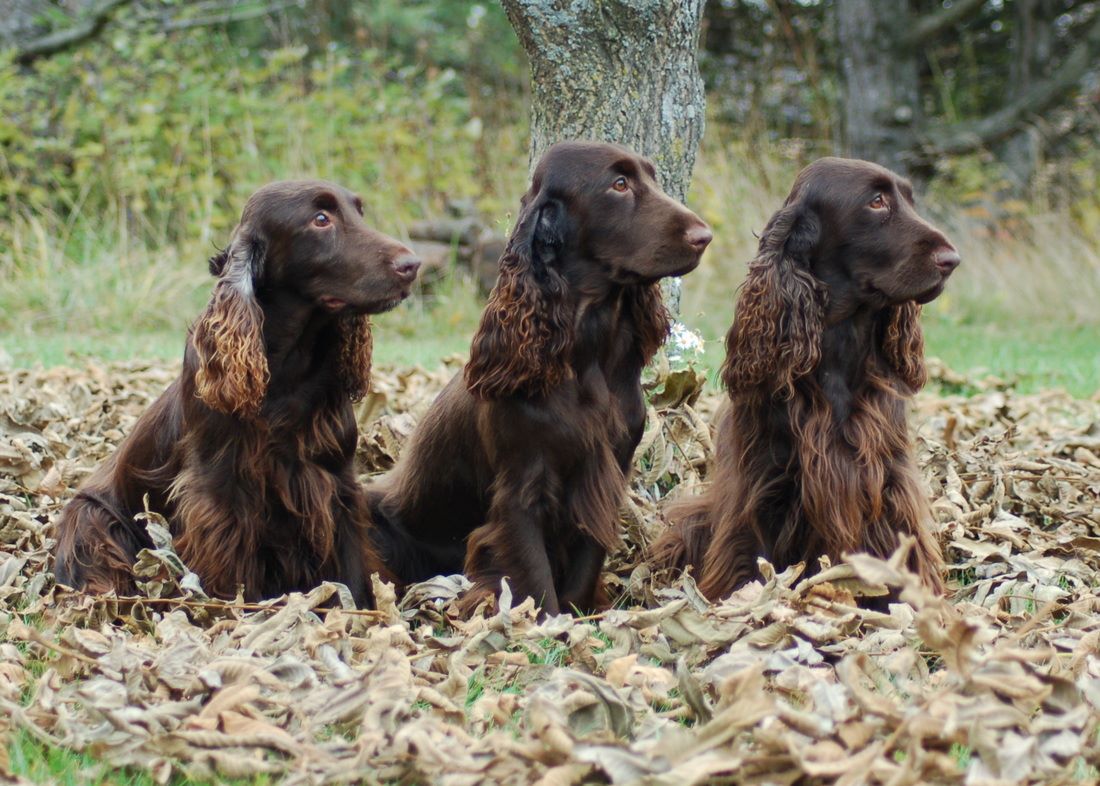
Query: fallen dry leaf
x=788, y=681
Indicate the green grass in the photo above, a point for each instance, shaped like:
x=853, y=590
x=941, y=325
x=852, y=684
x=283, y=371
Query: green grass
x=75, y=350
x=548, y=652
x=1032, y=355
x=962, y=755
x=475, y=687
x=39, y=762
x=1085, y=772
x=418, y=333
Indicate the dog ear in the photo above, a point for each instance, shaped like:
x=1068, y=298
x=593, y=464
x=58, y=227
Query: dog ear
x=525, y=337
x=356, y=348
x=217, y=263
x=776, y=334
x=649, y=314
x=903, y=344
x=228, y=336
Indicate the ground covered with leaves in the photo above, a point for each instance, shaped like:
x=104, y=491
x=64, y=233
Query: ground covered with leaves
x=786, y=682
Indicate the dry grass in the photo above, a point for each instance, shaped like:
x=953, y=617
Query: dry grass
x=77, y=285
x=1037, y=267
x=1041, y=266
x=56, y=280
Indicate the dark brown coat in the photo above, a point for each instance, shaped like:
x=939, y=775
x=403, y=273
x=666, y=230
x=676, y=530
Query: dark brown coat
x=249, y=452
x=813, y=455
x=519, y=467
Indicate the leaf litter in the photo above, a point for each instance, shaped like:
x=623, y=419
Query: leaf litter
x=787, y=681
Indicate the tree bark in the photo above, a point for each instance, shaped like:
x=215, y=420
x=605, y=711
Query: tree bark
x=1033, y=44
x=881, y=82
x=623, y=71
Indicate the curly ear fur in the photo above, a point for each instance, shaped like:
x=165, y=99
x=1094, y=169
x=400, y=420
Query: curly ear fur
x=228, y=336
x=526, y=333
x=356, y=348
x=776, y=333
x=647, y=308
x=903, y=344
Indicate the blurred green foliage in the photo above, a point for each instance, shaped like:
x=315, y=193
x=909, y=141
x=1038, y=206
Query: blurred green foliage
x=167, y=133
x=125, y=162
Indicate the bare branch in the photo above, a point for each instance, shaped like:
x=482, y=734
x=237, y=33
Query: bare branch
x=970, y=135
x=931, y=25
x=60, y=40
x=231, y=14
x=100, y=14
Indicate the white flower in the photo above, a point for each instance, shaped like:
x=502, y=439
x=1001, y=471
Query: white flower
x=477, y=13
x=684, y=344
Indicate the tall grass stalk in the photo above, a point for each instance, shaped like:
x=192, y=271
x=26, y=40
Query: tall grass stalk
x=86, y=282
x=1038, y=267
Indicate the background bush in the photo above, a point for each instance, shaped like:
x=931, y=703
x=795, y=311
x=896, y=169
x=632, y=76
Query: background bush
x=124, y=164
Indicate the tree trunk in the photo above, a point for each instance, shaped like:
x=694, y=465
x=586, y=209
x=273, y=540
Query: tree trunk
x=623, y=71
x=881, y=86
x=1033, y=43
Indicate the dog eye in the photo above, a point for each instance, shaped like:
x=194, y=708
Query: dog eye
x=321, y=220
x=878, y=203
x=620, y=184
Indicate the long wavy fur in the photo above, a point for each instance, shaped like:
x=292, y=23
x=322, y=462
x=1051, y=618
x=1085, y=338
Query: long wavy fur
x=524, y=340
x=650, y=317
x=261, y=498
x=232, y=375
x=903, y=344
x=846, y=486
x=776, y=334
x=356, y=350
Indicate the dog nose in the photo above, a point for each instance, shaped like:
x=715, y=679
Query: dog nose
x=947, y=259
x=699, y=237
x=406, y=266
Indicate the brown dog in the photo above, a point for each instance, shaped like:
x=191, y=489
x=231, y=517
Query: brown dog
x=249, y=453
x=519, y=467
x=813, y=456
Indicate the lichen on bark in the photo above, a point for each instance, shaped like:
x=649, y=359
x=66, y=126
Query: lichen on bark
x=623, y=71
